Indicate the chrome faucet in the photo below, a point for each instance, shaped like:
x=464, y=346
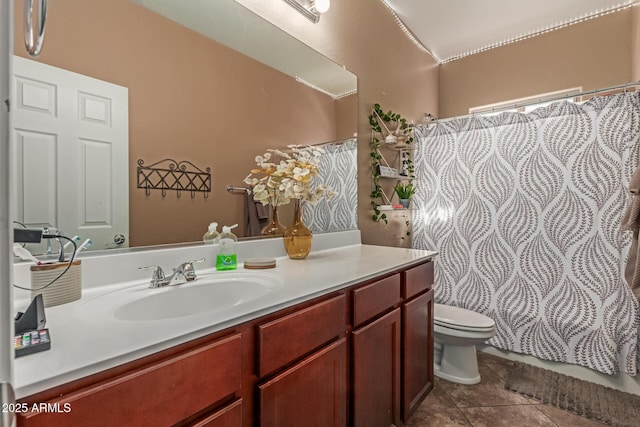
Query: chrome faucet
x=185, y=272
x=45, y=230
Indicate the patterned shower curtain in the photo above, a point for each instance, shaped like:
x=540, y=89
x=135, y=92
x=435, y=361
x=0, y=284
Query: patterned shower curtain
x=338, y=167
x=525, y=211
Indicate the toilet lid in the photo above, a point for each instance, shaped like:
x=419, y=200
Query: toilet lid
x=461, y=318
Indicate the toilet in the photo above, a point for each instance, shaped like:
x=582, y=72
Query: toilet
x=457, y=331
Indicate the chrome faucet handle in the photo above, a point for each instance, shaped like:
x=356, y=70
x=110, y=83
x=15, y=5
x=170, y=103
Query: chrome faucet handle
x=188, y=270
x=157, y=277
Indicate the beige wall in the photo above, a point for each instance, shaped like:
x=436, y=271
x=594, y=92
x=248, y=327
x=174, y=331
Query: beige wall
x=189, y=99
x=593, y=54
x=346, y=116
x=391, y=70
x=360, y=34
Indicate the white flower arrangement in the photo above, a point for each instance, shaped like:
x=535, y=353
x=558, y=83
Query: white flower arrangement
x=277, y=184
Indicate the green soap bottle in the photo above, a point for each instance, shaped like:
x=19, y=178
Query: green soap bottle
x=226, y=259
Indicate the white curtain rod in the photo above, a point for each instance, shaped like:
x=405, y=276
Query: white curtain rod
x=537, y=101
x=336, y=142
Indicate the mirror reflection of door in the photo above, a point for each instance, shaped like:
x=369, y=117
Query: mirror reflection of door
x=71, y=138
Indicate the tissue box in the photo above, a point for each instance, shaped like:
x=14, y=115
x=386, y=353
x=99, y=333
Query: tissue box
x=66, y=289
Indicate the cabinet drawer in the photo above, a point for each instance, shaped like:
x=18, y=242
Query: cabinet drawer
x=417, y=279
x=284, y=340
x=373, y=299
x=162, y=393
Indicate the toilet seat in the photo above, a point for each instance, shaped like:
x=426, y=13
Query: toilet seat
x=462, y=319
x=463, y=328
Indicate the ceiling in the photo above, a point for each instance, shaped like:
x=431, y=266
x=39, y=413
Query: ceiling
x=452, y=29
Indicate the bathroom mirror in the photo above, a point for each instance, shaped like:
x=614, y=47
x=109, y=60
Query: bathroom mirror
x=192, y=96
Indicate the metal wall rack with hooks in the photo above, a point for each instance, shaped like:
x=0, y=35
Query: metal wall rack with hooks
x=169, y=174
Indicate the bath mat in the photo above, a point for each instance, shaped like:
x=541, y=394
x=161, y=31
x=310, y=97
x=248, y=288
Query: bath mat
x=581, y=397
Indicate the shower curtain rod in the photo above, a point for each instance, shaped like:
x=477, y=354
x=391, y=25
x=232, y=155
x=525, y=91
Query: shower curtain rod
x=337, y=142
x=537, y=101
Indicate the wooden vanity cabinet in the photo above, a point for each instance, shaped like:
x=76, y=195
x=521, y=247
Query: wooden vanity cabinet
x=392, y=347
x=362, y=356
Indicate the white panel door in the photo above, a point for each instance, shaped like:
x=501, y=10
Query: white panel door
x=72, y=141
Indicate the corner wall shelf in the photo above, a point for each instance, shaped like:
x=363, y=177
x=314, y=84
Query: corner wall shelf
x=391, y=135
x=398, y=163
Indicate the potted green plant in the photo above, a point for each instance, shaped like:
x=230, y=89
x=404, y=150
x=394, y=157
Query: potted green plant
x=404, y=190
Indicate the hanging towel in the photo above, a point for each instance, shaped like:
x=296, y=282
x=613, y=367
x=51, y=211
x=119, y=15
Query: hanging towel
x=256, y=215
x=631, y=222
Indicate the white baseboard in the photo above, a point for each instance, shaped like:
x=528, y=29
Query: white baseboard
x=620, y=381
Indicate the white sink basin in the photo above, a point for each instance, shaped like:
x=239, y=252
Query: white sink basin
x=220, y=292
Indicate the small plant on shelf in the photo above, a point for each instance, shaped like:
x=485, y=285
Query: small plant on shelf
x=404, y=190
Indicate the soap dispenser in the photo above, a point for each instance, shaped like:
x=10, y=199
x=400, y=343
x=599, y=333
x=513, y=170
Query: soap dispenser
x=212, y=235
x=226, y=259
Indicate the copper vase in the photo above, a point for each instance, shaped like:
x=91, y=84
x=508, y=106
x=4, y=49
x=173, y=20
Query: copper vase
x=297, y=238
x=273, y=228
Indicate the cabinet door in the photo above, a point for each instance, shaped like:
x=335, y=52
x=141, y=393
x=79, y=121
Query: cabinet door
x=417, y=366
x=376, y=372
x=228, y=416
x=311, y=393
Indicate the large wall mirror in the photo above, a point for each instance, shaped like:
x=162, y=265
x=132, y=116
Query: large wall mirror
x=208, y=83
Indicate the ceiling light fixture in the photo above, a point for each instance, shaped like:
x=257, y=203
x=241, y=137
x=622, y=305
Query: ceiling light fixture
x=311, y=9
x=322, y=5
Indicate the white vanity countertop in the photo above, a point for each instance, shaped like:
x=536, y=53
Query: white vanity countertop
x=83, y=345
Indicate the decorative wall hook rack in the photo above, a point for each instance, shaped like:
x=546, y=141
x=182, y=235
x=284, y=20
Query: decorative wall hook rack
x=169, y=174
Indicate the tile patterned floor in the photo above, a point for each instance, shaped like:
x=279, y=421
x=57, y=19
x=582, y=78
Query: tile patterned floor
x=489, y=404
